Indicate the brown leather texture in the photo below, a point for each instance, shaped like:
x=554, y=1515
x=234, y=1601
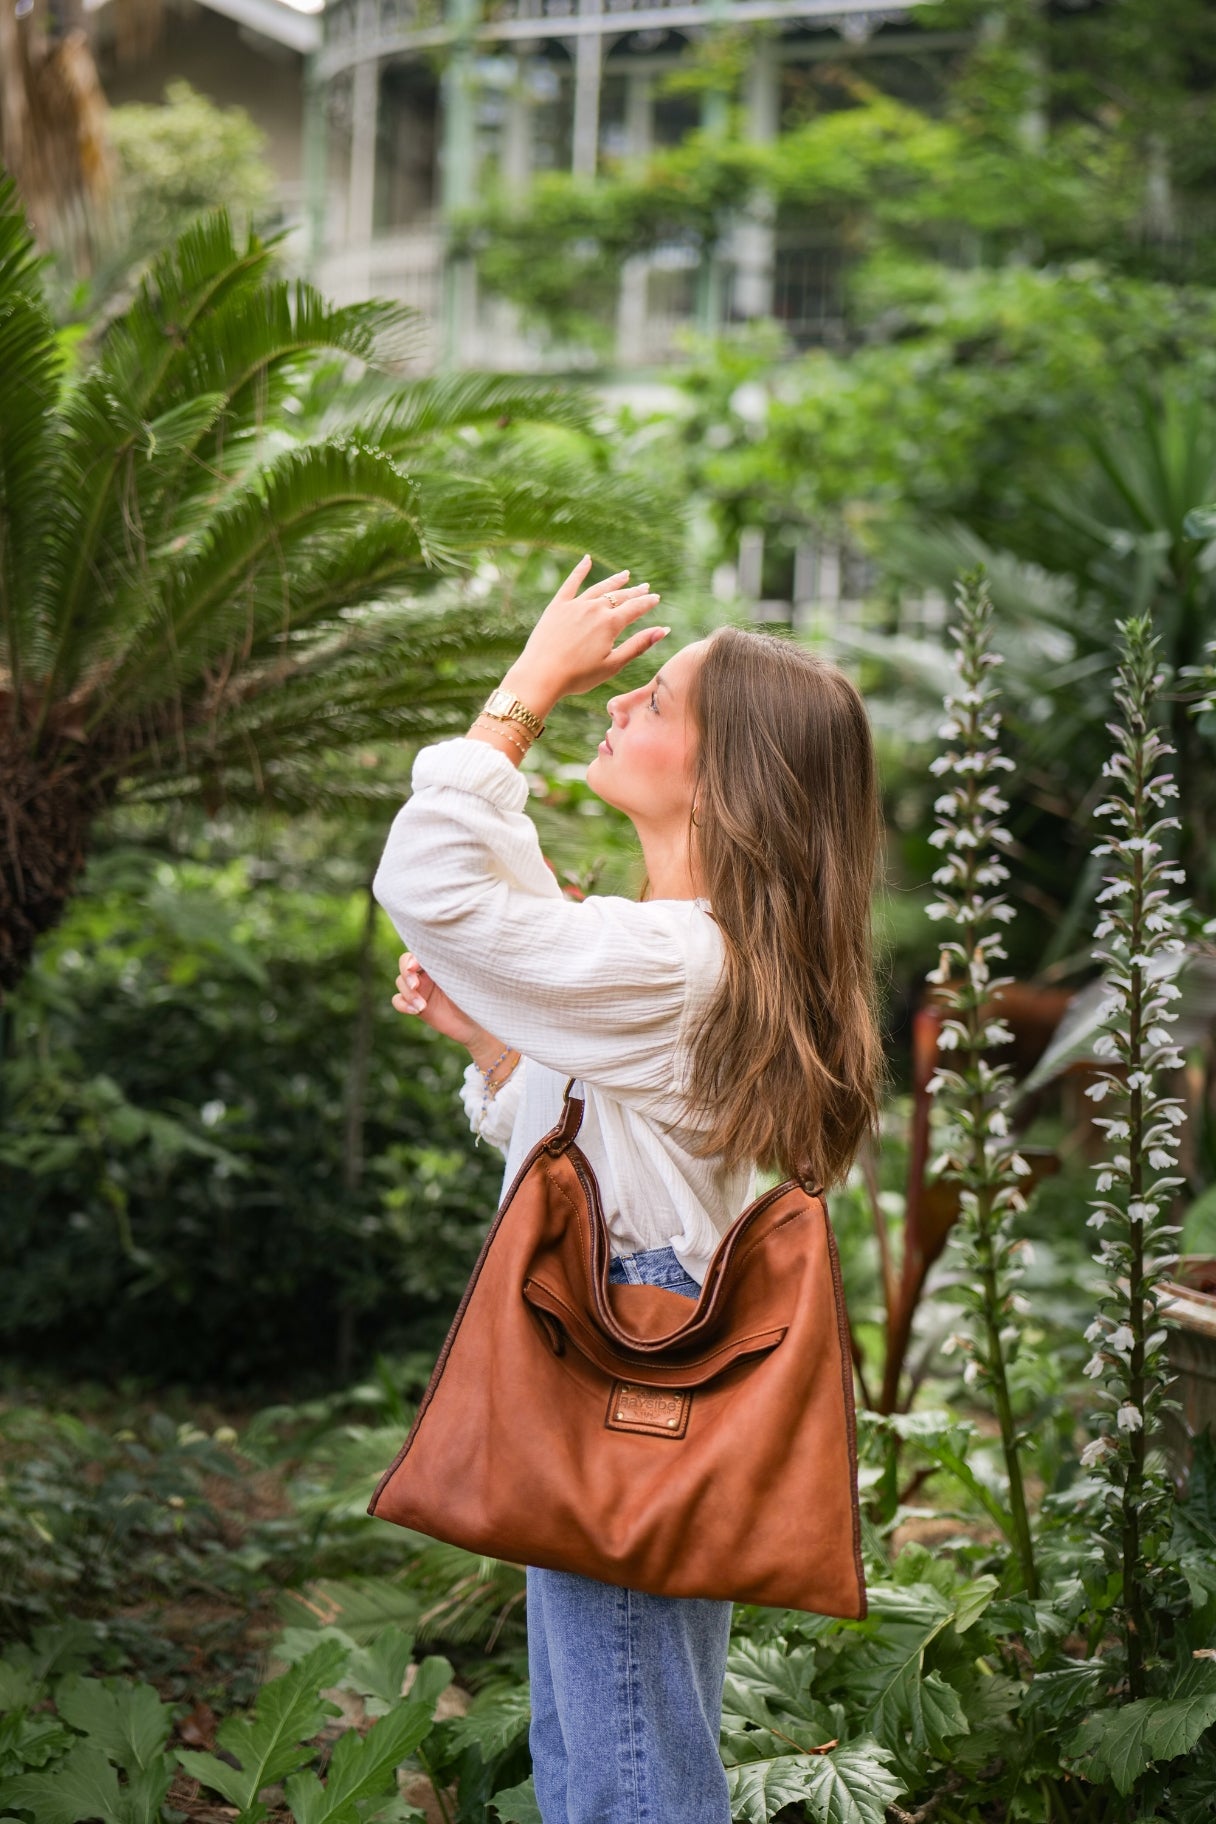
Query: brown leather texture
x=630, y=1434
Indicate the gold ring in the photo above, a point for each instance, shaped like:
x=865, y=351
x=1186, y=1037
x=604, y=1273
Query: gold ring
x=611, y=599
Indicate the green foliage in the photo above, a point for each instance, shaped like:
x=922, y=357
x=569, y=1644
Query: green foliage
x=517, y=1804
x=205, y=604
x=270, y=1744
x=110, y=1762
x=1121, y=1743
x=178, y=159
x=200, y=1160
x=117, y=1727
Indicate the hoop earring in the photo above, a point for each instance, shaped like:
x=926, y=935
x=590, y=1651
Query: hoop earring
x=693, y=815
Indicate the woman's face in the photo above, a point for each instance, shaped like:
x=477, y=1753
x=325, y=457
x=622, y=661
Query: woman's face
x=644, y=764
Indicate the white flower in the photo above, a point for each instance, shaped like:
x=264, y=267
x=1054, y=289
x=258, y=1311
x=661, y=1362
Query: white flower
x=1094, y=1452
x=1121, y=1339
x=1140, y=1211
x=996, y=1032
x=1160, y=1160
x=1094, y=1367
x=1097, y=1091
x=1130, y=1418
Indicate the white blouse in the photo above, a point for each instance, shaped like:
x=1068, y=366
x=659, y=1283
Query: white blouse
x=604, y=989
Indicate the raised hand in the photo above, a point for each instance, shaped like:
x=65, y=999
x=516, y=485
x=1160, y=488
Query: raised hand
x=572, y=647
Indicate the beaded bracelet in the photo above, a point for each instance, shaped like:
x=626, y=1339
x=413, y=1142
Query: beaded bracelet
x=487, y=1092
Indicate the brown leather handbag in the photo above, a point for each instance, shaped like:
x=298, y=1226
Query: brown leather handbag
x=625, y=1433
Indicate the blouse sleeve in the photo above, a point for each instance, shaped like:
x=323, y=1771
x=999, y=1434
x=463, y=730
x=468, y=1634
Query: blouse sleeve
x=497, y=1124
x=595, y=989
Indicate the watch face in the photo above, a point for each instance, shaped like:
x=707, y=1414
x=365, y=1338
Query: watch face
x=499, y=702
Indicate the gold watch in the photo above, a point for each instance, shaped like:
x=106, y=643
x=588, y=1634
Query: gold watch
x=507, y=708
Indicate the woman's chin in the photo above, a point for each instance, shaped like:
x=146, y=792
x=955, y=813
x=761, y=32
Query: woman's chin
x=592, y=777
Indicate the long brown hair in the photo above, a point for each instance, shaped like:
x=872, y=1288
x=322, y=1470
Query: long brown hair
x=787, y=1063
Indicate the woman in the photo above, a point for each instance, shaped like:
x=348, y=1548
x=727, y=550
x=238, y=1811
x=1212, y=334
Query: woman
x=723, y=1022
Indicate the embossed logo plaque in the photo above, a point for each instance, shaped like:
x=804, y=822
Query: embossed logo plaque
x=662, y=1412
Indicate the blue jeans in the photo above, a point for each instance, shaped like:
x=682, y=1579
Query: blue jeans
x=627, y=1687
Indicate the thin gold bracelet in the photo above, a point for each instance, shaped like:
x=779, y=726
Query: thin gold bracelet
x=499, y=1081
x=497, y=722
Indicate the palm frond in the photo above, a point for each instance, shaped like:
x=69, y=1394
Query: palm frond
x=403, y=415
x=212, y=601
x=30, y=376
x=406, y=672
x=261, y=332
x=235, y=348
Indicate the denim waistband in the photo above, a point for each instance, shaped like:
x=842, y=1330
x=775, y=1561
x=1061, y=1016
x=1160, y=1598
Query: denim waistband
x=653, y=1267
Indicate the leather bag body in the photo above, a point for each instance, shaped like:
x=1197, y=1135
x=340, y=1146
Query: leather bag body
x=628, y=1434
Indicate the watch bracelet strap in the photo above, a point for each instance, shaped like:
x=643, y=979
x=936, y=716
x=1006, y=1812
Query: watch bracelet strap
x=527, y=718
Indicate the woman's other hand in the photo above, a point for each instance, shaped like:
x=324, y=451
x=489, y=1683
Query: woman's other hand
x=417, y=993
x=573, y=646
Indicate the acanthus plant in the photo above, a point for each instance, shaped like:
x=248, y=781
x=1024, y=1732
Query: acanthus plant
x=1141, y=928
x=978, y=1151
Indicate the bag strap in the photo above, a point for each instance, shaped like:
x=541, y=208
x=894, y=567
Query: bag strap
x=702, y=1313
x=566, y=1128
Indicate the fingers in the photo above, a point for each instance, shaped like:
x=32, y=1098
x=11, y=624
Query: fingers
x=605, y=584
x=570, y=587
x=638, y=643
x=637, y=602
x=408, y=998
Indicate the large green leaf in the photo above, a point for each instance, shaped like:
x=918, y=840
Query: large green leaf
x=850, y=1785
x=770, y=1673
x=359, y=1768
x=273, y=1742
x=83, y=1787
x=1119, y=1743
x=886, y=1675
x=126, y=1720
x=517, y=1804
x=495, y=1722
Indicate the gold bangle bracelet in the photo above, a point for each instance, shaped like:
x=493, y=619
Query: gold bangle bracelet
x=496, y=723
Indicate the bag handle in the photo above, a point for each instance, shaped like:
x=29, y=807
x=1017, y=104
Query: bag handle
x=702, y=1313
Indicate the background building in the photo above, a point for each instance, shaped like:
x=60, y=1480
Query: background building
x=422, y=104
